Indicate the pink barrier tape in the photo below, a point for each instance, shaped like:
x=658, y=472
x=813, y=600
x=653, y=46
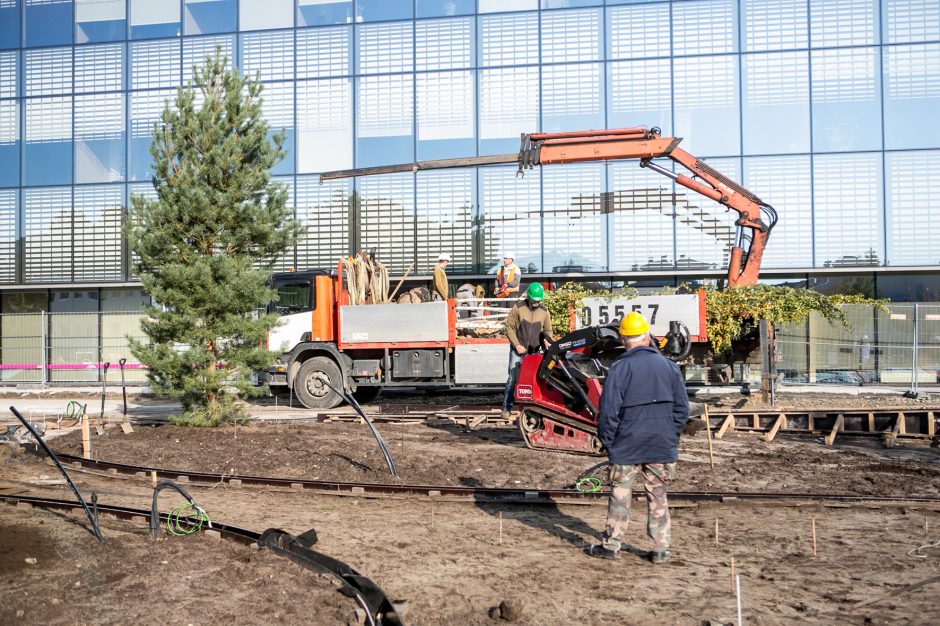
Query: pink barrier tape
x=68, y=366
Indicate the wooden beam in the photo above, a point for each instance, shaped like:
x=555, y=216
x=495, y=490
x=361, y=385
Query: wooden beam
x=728, y=422
x=931, y=426
x=780, y=422
x=902, y=423
x=871, y=421
x=891, y=436
x=755, y=421
x=839, y=425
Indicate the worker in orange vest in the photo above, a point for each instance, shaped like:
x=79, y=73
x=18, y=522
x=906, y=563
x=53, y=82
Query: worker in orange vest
x=508, y=277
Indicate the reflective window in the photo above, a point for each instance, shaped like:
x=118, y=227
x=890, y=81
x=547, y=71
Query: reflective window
x=385, y=48
x=509, y=106
x=843, y=22
x=278, y=109
x=288, y=260
x=317, y=12
x=704, y=27
x=197, y=49
x=323, y=211
x=73, y=338
x=571, y=97
x=650, y=106
x=569, y=36
x=508, y=40
x=846, y=99
x=385, y=109
x=47, y=230
x=908, y=21
x=494, y=6
x=444, y=210
x=99, y=138
x=155, y=64
x=99, y=68
x=775, y=24
x=202, y=17
x=268, y=55
x=573, y=222
x=48, y=153
x=48, y=71
x=98, y=215
x=9, y=74
x=848, y=210
x=444, y=8
x=913, y=222
x=776, y=103
x=261, y=14
x=378, y=10
x=145, y=110
x=786, y=184
x=706, y=105
x=151, y=19
x=628, y=42
x=909, y=287
x=48, y=22
x=9, y=143
x=324, y=125
x=387, y=219
x=565, y=4
x=99, y=20
x=446, y=115
x=705, y=229
x=8, y=235
x=912, y=92
x=640, y=206
x=10, y=24
x=444, y=44
x=323, y=52
x=510, y=211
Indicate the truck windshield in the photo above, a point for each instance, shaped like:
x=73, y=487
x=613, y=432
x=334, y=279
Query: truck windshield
x=294, y=298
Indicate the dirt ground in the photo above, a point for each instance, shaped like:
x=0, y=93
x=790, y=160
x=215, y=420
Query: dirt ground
x=453, y=561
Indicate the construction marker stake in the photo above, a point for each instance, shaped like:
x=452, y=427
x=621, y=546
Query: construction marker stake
x=121, y=363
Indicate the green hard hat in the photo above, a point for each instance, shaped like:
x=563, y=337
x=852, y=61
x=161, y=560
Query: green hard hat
x=535, y=292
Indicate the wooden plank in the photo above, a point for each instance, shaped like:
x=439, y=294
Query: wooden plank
x=810, y=422
x=780, y=422
x=755, y=421
x=871, y=421
x=902, y=425
x=839, y=425
x=931, y=426
x=728, y=422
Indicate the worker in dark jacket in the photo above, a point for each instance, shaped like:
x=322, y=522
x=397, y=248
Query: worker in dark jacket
x=643, y=409
x=528, y=321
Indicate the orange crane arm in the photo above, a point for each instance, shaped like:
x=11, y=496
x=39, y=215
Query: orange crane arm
x=630, y=143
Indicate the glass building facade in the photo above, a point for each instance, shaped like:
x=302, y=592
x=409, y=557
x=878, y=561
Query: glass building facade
x=827, y=109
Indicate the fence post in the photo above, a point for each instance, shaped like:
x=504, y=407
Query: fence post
x=42, y=348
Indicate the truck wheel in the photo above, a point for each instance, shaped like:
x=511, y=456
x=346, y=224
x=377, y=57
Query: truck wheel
x=309, y=386
x=365, y=395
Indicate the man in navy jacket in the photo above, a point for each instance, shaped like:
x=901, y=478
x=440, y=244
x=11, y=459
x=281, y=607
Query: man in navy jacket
x=643, y=409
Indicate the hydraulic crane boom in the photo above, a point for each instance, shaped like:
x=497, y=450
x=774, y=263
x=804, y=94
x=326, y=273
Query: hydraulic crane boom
x=755, y=220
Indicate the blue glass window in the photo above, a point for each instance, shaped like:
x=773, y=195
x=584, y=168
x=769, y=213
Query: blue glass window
x=278, y=109
x=846, y=100
x=509, y=106
x=786, y=183
x=324, y=125
x=705, y=229
x=99, y=20
x=155, y=64
x=912, y=96
x=9, y=143
x=318, y=12
x=775, y=24
x=444, y=206
x=48, y=71
x=99, y=68
x=377, y=10
x=640, y=206
x=385, y=110
x=48, y=22
x=444, y=44
x=444, y=8
x=8, y=204
x=323, y=211
x=913, y=223
x=387, y=219
x=197, y=49
x=911, y=21
x=569, y=36
x=145, y=110
x=151, y=19
x=202, y=17
x=625, y=41
x=776, y=103
x=570, y=4
x=508, y=40
x=510, y=217
x=48, y=153
x=385, y=47
x=10, y=24
x=705, y=93
x=261, y=14
x=269, y=55
x=9, y=74
x=98, y=216
x=572, y=97
x=650, y=106
x=99, y=138
x=446, y=115
x=704, y=27
x=47, y=234
x=843, y=23
x=497, y=6
x=573, y=222
x=848, y=210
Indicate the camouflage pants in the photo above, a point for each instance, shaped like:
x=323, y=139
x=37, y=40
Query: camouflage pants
x=655, y=478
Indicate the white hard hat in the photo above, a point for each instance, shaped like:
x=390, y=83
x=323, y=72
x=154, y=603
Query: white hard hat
x=443, y=257
x=509, y=255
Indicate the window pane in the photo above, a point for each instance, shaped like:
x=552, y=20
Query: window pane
x=442, y=8
x=495, y=6
x=508, y=40
x=444, y=44
x=99, y=138
x=155, y=64
x=145, y=110
x=385, y=48
x=197, y=49
x=785, y=184
x=704, y=27
x=99, y=68
x=323, y=52
x=378, y=10
x=286, y=261
x=278, y=109
x=9, y=74
x=706, y=102
x=641, y=224
x=913, y=221
x=323, y=211
x=260, y=14
x=775, y=24
x=446, y=115
x=629, y=42
x=912, y=92
x=317, y=12
x=572, y=220
x=846, y=100
x=73, y=336
x=385, y=111
x=151, y=19
x=565, y=4
x=99, y=212
x=650, y=106
x=48, y=141
x=776, y=103
x=9, y=143
x=445, y=218
x=48, y=71
x=99, y=20
x=47, y=230
x=10, y=24
x=48, y=22
x=270, y=55
x=387, y=219
x=569, y=36
x=509, y=106
x=8, y=235
x=510, y=211
x=324, y=125
x=843, y=23
x=907, y=21
x=571, y=97
x=848, y=210
x=705, y=229
x=909, y=287
x=202, y=17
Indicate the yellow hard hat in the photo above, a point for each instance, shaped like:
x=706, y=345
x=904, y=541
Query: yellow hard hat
x=634, y=324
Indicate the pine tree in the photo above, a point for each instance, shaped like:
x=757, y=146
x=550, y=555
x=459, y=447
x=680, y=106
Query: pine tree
x=204, y=248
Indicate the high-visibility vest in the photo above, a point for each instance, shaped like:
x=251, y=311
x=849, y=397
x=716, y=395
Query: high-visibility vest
x=502, y=281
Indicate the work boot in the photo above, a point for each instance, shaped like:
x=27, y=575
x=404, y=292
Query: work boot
x=506, y=415
x=659, y=556
x=598, y=550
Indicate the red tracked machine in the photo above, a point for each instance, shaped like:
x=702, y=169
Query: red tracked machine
x=559, y=391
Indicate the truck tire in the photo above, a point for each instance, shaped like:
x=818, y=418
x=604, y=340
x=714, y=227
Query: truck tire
x=365, y=395
x=309, y=386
